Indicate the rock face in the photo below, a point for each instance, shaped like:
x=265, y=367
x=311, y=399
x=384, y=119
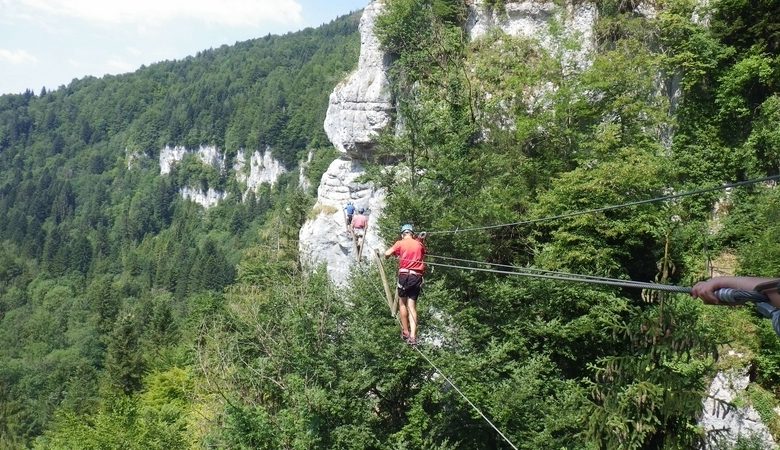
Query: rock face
x=534, y=20
x=361, y=106
x=723, y=424
x=262, y=169
x=209, y=155
x=206, y=199
x=325, y=239
x=304, y=182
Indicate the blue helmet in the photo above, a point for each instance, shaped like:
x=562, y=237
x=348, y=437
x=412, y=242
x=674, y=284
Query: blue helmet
x=406, y=228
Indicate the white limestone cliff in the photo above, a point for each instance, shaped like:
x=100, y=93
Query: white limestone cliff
x=361, y=106
x=324, y=239
x=537, y=20
x=723, y=422
x=263, y=168
x=206, y=199
x=209, y=155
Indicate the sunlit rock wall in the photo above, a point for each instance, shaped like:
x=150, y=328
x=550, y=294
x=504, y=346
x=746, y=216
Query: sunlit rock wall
x=360, y=107
x=324, y=239
x=547, y=22
x=263, y=168
x=723, y=421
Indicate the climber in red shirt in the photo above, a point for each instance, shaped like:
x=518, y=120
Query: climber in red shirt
x=411, y=269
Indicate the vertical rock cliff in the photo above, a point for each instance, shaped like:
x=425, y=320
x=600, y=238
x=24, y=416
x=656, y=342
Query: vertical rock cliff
x=360, y=107
x=539, y=20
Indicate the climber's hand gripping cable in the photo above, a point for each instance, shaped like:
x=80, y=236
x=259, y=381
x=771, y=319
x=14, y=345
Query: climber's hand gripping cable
x=731, y=296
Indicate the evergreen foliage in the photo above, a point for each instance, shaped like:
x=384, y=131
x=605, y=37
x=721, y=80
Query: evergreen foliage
x=104, y=265
x=132, y=318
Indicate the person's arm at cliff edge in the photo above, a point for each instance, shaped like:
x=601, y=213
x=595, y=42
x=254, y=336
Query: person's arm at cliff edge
x=705, y=290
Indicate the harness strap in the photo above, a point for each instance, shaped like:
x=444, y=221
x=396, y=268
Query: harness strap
x=413, y=272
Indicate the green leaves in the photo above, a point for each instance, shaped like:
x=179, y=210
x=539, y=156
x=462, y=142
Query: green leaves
x=603, y=242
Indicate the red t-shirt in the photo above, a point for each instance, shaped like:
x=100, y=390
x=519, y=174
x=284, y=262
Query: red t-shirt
x=359, y=221
x=411, y=253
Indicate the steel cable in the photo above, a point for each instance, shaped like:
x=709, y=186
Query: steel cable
x=492, y=425
x=611, y=207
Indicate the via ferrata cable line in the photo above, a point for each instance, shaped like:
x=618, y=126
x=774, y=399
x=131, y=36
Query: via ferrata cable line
x=561, y=276
x=446, y=378
x=464, y=397
x=531, y=271
x=725, y=295
x=611, y=207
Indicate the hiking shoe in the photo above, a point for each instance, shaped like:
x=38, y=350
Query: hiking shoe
x=405, y=335
x=412, y=341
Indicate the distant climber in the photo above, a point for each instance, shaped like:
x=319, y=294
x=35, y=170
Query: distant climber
x=359, y=224
x=411, y=269
x=349, y=211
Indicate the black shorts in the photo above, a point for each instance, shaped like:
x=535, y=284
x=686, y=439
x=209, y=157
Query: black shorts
x=349, y=219
x=409, y=285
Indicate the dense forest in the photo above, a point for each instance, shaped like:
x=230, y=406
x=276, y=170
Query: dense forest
x=106, y=270
x=132, y=318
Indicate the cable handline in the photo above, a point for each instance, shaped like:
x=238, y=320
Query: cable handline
x=531, y=270
x=550, y=274
x=464, y=397
x=398, y=319
x=611, y=207
x=607, y=281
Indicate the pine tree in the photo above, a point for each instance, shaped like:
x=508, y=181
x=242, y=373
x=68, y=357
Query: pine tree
x=124, y=360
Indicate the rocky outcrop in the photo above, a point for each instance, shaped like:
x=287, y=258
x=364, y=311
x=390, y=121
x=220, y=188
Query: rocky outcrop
x=263, y=168
x=208, y=155
x=303, y=181
x=361, y=106
x=724, y=422
x=533, y=20
x=324, y=239
x=205, y=198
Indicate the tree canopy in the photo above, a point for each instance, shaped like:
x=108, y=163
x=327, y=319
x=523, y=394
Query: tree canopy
x=132, y=318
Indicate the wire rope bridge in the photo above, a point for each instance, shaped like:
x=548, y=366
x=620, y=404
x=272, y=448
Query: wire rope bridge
x=726, y=295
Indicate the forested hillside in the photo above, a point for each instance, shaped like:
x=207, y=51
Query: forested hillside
x=106, y=271
x=132, y=318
